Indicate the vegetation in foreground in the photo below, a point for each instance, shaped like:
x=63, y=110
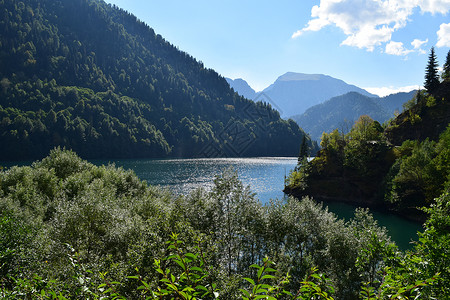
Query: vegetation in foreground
x=72, y=230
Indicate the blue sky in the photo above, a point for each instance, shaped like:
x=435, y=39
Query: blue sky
x=380, y=45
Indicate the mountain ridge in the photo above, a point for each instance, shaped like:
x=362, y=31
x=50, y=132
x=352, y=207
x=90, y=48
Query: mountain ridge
x=292, y=93
x=242, y=87
x=342, y=111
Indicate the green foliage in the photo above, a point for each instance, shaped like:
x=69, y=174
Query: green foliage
x=431, y=101
x=80, y=231
x=267, y=286
x=365, y=129
x=406, y=177
x=411, y=103
x=420, y=173
x=361, y=153
x=192, y=281
x=341, y=112
x=434, y=244
x=333, y=141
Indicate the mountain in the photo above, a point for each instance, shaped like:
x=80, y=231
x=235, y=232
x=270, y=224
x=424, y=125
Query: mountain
x=342, y=111
x=91, y=77
x=242, y=88
x=293, y=93
x=394, y=103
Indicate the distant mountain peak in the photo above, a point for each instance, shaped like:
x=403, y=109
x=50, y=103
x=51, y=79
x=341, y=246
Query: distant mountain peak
x=295, y=92
x=292, y=76
x=241, y=87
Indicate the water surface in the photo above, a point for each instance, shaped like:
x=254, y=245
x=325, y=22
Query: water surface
x=264, y=175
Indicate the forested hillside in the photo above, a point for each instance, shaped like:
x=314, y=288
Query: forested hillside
x=342, y=111
x=403, y=167
x=93, y=78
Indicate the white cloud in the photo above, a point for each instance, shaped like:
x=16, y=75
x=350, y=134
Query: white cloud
x=417, y=44
x=435, y=6
x=443, y=36
x=369, y=37
x=396, y=48
x=385, y=91
x=370, y=23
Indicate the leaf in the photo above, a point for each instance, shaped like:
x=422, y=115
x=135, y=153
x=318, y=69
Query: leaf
x=260, y=271
x=191, y=256
x=267, y=277
x=245, y=292
x=265, y=286
x=181, y=264
x=201, y=287
x=197, y=269
x=252, y=282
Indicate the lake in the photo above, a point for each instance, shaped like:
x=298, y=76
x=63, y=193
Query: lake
x=264, y=175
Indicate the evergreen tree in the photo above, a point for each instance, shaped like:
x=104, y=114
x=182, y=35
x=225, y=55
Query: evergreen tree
x=303, y=150
x=446, y=71
x=431, y=75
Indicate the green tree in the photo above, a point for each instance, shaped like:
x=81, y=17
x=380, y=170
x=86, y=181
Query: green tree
x=446, y=71
x=304, y=151
x=365, y=129
x=431, y=75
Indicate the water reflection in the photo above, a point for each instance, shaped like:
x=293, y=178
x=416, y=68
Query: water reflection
x=265, y=175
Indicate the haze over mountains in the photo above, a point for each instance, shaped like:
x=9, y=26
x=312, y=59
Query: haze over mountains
x=293, y=93
x=342, y=111
x=321, y=103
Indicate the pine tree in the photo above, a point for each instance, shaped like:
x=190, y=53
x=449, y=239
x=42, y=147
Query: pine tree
x=303, y=150
x=431, y=75
x=446, y=71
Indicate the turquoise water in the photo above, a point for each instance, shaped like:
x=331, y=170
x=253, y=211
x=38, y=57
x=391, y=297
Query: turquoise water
x=264, y=175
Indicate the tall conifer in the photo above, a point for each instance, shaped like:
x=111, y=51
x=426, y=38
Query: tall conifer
x=446, y=71
x=431, y=75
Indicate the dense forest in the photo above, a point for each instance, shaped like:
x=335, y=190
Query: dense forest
x=73, y=230
x=104, y=84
